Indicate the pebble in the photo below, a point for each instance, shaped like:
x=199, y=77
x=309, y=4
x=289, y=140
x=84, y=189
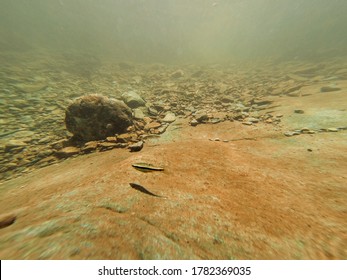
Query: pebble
x=90, y=146
x=136, y=147
x=138, y=114
x=152, y=125
x=67, y=152
x=108, y=145
x=177, y=74
x=329, y=89
x=14, y=145
x=194, y=122
x=247, y=123
x=169, y=117
x=108, y=139
x=126, y=137
x=252, y=120
x=332, y=129
x=291, y=133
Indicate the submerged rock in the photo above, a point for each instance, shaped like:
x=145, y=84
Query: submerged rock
x=67, y=152
x=329, y=89
x=136, y=147
x=169, y=117
x=132, y=99
x=94, y=117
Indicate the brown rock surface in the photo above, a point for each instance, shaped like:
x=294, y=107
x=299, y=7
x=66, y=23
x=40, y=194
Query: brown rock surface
x=258, y=195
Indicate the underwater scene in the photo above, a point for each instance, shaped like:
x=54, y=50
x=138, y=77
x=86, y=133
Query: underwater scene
x=173, y=129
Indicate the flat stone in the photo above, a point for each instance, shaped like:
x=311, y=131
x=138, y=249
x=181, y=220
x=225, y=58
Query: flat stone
x=332, y=129
x=251, y=119
x=177, y=74
x=14, y=144
x=247, y=123
x=138, y=114
x=126, y=137
x=169, y=117
x=329, y=89
x=89, y=146
x=107, y=145
x=110, y=139
x=67, y=152
x=29, y=88
x=132, y=99
x=136, y=147
x=152, y=125
x=291, y=133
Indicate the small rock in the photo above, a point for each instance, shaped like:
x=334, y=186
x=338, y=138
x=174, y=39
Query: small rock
x=201, y=117
x=29, y=88
x=107, y=145
x=126, y=137
x=14, y=144
x=138, y=114
x=309, y=150
x=247, y=123
x=194, y=122
x=152, y=111
x=215, y=120
x=152, y=125
x=252, y=120
x=291, y=133
x=136, y=147
x=177, y=74
x=109, y=139
x=90, y=146
x=329, y=89
x=163, y=128
x=226, y=99
x=169, y=117
x=67, y=152
x=132, y=99
x=332, y=129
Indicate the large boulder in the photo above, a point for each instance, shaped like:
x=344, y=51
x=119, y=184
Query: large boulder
x=95, y=117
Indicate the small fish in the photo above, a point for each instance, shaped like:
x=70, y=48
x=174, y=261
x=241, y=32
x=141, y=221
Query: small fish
x=146, y=167
x=142, y=189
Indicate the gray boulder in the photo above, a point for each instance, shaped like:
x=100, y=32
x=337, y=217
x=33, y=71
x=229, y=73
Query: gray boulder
x=95, y=117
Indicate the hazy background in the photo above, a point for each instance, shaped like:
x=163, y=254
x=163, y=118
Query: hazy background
x=176, y=31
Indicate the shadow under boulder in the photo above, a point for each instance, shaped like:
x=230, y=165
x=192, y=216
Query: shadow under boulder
x=95, y=117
